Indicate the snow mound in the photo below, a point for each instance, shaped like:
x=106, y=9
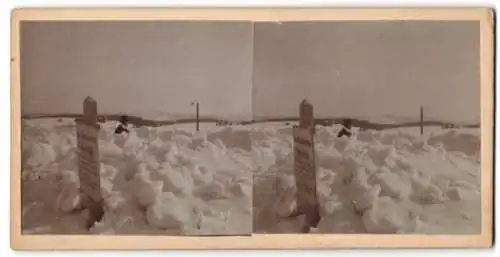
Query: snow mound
x=170, y=180
x=375, y=181
x=153, y=180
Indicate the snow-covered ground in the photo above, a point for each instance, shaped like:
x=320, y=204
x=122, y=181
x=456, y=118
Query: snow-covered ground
x=166, y=180
x=172, y=180
x=392, y=181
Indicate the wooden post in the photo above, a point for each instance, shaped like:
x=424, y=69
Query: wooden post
x=421, y=120
x=87, y=131
x=304, y=166
x=197, y=116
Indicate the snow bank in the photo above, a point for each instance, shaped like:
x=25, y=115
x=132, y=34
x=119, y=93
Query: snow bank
x=154, y=180
x=376, y=182
x=170, y=180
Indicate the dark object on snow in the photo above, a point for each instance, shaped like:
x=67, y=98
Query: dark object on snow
x=345, y=131
x=123, y=125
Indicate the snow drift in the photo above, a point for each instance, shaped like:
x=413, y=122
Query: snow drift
x=392, y=181
x=154, y=180
x=170, y=180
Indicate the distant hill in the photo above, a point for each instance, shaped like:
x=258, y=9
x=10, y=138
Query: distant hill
x=135, y=120
x=361, y=123
x=364, y=124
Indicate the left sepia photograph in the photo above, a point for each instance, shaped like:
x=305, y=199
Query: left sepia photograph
x=136, y=127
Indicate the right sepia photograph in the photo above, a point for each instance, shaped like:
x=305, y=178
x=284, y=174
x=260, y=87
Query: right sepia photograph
x=366, y=127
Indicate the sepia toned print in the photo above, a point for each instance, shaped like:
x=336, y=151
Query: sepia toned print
x=124, y=128
x=236, y=128
x=396, y=127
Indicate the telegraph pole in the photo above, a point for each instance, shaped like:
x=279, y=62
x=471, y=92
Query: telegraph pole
x=197, y=106
x=197, y=116
x=421, y=120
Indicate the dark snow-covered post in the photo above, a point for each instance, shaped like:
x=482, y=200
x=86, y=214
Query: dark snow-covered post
x=87, y=131
x=304, y=165
x=421, y=120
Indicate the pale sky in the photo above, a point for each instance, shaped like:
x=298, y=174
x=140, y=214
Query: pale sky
x=353, y=68
x=368, y=68
x=137, y=67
